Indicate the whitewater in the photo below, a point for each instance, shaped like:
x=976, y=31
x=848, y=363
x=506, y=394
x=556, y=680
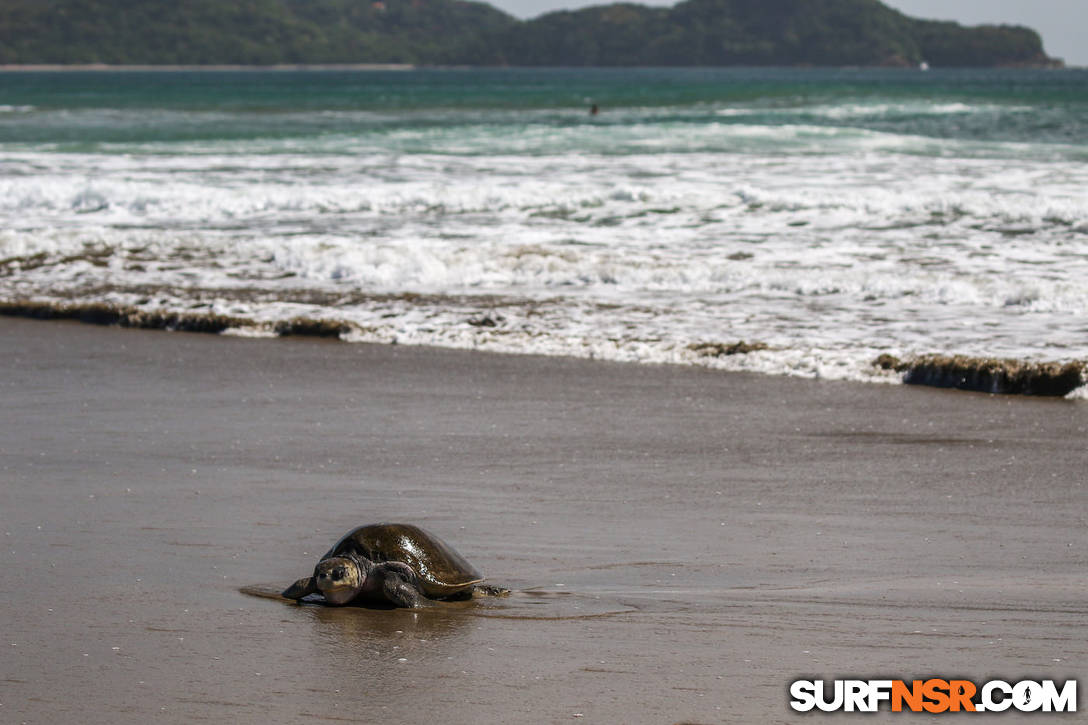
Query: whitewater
x=821, y=218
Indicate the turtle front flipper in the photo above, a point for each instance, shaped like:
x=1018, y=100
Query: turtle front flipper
x=301, y=588
x=398, y=584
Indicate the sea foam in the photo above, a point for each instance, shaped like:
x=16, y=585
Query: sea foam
x=653, y=235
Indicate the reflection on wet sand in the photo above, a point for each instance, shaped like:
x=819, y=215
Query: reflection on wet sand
x=443, y=617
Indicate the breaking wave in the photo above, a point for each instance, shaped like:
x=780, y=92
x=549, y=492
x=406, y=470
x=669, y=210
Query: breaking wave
x=778, y=236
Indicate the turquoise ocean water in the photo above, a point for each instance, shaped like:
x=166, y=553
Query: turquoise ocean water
x=829, y=215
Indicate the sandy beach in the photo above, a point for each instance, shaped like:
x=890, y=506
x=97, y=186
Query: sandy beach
x=681, y=543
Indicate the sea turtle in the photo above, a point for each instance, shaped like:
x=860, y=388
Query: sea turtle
x=399, y=564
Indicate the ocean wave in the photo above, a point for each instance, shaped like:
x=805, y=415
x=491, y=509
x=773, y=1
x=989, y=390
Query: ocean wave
x=489, y=330
x=801, y=238
x=857, y=278
x=879, y=109
x=211, y=134
x=852, y=190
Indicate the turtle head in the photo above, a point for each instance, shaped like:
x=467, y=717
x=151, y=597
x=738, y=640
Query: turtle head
x=340, y=579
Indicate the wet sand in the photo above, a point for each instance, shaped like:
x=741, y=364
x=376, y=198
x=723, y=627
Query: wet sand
x=682, y=543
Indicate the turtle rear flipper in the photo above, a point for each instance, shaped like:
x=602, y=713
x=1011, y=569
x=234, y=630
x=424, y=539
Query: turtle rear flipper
x=491, y=590
x=301, y=588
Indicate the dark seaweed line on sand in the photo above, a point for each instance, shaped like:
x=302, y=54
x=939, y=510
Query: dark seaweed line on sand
x=98, y=313
x=988, y=375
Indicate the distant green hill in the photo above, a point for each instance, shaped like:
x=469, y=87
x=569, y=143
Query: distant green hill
x=453, y=32
x=248, y=32
x=765, y=32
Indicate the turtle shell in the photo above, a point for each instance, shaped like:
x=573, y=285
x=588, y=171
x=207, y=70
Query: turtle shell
x=440, y=570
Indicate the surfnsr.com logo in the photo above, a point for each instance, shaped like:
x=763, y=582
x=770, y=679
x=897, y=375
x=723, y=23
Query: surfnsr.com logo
x=933, y=696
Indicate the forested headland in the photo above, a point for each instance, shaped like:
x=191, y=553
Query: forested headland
x=455, y=32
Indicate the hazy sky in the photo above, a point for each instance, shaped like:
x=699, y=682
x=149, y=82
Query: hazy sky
x=1062, y=23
